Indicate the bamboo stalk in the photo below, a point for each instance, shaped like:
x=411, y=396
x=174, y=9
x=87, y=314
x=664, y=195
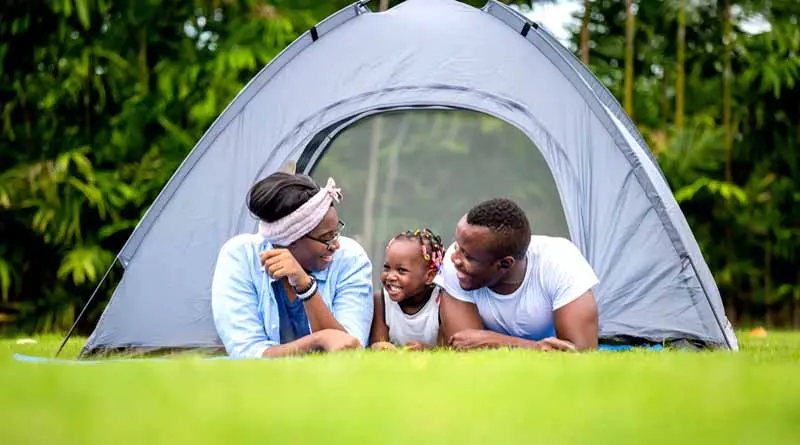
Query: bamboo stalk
x=368, y=227
x=585, y=32
x=680, y=75
x=144, y=76
x=726, y=90
x=629, y=34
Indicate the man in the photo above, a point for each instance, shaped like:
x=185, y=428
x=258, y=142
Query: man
x=504, y=287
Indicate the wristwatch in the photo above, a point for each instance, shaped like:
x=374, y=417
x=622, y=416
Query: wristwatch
x=305, y=294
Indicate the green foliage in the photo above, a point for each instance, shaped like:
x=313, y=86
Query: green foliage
x=100, y=100
x=748, y=227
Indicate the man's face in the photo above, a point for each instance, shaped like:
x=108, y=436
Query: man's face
x=476, y=264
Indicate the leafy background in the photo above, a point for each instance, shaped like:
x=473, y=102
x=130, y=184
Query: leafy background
x=102, y=99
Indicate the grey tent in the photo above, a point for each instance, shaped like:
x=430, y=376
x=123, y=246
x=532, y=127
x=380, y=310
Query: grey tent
x=419, y=112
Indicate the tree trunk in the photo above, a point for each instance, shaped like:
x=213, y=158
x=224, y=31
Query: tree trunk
x=391, y=176
x=88, y=97
x=680, y=79
x=796, y=306
x=726, y=90
x=726, y=121
x=368, y=227
x=768, y=281
x=629, y=33
x=585, y=32
x=144, y=75
x=664, y=99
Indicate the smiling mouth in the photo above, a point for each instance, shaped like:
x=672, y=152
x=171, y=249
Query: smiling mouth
x=392, y=288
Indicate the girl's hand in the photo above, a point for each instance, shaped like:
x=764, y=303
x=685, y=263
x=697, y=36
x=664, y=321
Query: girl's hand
x=382, y=346
x=415, y=346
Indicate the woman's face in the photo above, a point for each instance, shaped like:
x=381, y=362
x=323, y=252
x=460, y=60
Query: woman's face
x=315, y=251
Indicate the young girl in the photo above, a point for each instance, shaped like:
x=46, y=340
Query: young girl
x=407, y=308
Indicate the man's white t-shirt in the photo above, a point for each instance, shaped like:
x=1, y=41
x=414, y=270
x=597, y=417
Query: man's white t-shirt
x=557, y=274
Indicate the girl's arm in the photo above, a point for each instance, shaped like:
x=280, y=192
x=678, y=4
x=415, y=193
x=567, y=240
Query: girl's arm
x=379, y=332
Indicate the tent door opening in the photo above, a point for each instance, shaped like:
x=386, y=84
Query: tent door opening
x=413, y=167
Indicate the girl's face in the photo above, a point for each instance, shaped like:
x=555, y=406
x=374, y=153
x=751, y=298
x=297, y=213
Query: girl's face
x=405, y=272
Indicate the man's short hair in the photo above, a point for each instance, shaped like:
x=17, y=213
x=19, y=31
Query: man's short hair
x=508, y=223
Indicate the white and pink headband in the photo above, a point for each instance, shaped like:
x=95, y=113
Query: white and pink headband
x=299, y=223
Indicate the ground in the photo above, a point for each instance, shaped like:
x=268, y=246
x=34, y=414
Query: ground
x=750, y=397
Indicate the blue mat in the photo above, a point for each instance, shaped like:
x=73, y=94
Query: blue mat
x=629, y=347
x=35, y=359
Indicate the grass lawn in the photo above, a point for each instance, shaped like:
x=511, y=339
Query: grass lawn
x=750, y=397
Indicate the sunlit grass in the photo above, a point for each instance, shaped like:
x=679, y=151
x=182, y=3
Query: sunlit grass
x=408, y=398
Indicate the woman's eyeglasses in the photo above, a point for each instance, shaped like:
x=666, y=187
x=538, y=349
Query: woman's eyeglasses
x=333, y=238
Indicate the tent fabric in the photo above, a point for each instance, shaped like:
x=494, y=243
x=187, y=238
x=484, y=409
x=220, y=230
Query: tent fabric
x=654, y=283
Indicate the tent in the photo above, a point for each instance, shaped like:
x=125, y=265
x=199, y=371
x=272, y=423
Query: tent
x=419, y=112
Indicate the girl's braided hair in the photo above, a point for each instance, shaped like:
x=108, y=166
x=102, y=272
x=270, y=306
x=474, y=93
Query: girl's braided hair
x=432, y=247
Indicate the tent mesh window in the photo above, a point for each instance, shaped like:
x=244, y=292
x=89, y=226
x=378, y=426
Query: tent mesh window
x=409, y=169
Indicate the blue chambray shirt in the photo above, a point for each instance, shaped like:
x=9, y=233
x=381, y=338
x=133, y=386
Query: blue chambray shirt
x=245, y=306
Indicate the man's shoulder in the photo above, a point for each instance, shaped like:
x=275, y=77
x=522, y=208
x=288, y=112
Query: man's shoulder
x=545, y=243
x=552, y=254
x=544, y=248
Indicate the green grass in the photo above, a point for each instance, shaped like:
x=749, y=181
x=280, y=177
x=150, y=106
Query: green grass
x=750, y=397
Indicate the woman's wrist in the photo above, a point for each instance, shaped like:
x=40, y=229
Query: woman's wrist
x=302, y=283
x=305, y=292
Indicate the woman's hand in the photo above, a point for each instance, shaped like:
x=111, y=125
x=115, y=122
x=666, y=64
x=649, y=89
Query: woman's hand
x=280, y=263
x=334, y=340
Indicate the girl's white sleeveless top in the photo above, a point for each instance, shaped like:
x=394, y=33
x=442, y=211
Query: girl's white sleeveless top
x=422, y=326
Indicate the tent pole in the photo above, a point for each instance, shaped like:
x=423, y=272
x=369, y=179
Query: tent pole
x=85, y=306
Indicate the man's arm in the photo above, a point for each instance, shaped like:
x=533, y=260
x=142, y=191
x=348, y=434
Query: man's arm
x=480, y=339
x=456, y=316
x=570, y=280
x=462, y=328
x=577, y=322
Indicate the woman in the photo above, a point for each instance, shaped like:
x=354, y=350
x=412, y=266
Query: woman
x=296, y=286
